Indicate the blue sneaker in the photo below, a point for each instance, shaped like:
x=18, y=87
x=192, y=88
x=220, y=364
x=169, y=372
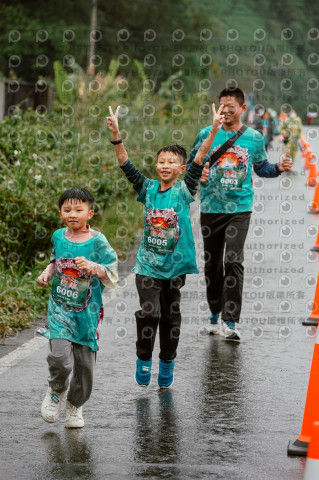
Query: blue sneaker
x=230, y=331
x=165, y=374
x=143, y=372
x=214, y=327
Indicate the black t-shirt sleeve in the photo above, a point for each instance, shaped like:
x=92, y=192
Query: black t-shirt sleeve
x=192, y=177
x=133, y=175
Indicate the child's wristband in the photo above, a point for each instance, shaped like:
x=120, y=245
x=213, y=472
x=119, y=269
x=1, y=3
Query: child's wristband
x=116, y=142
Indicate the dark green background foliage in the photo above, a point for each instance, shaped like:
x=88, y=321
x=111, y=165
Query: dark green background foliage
x=164, y=62
x=192, y=17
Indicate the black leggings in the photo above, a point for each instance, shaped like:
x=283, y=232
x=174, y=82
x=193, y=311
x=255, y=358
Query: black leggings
x=224, y=238
x=160, y=305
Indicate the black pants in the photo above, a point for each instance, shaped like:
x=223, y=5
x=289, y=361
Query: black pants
x=224, y=238
x=160, y=305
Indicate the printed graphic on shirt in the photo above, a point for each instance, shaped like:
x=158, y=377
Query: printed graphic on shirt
x=70, y=286
x=231, y=168
x=161, y=230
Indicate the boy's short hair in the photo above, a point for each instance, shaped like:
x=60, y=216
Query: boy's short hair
x=177, y=149
x=233, y=92
x=77, y=193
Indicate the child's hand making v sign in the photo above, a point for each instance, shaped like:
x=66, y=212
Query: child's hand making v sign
x=218, y=119
x=113, y=124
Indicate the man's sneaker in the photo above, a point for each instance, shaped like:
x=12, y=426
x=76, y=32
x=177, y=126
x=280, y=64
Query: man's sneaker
x=143, y=372
x=214, y=327
x=165, y=374
x=51, y=405
x=73, y=416
x=230, y=331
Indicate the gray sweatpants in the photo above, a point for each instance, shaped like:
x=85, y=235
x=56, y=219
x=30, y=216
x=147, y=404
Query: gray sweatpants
x=65, y=356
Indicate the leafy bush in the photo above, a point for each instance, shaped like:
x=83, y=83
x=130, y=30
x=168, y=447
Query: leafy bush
x=42, y=154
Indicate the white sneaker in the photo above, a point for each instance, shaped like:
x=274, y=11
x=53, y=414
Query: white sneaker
x=230, y=333
x=51, y=405
x=73, y=416
x=213, y=328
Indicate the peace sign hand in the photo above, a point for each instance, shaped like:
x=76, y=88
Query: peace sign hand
x=208, y=142
x=218, y=118
x=112, y=120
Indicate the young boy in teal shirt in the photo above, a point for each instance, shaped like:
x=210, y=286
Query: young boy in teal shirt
x=166, y=253
x=82, y=262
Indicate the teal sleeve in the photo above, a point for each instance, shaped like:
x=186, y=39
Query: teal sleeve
x=52, y=255
x=260, y=154
x=108, y=258
x=142, y=195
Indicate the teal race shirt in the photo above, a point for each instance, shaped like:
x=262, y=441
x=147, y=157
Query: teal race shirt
x=167, y=247
x=229, y=186
x=75, y=308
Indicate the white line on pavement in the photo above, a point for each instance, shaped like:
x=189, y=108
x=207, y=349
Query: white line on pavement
x=20, y=353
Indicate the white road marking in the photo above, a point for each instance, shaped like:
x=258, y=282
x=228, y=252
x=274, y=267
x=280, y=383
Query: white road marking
x=20, y=353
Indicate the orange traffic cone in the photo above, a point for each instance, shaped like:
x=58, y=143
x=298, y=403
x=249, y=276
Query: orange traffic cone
x=304, y=147
x=312, y=174
x=312, y=320
x=315, y=201
x=306, y=155
x=312, y=463
x=305, y=150
x=300, y=446
x=315, y=248
x=303, y=142
x=309, y=156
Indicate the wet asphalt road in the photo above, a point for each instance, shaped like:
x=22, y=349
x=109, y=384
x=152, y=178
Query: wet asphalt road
x=233, y=406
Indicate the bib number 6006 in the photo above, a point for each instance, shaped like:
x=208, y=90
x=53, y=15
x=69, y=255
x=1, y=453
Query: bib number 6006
x=67, y=293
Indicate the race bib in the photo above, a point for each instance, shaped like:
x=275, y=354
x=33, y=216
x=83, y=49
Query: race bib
x=70, y=291
x=159, y=239
x=227, y=179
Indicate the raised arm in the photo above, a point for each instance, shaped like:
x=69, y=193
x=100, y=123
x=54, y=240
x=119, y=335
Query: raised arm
x=132, y=173
x=207, y=143
x=112, y=123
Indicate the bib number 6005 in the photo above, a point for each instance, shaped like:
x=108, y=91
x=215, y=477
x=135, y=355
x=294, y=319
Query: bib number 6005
x=157, y=241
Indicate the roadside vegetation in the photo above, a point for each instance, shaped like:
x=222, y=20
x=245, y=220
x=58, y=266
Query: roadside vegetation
x=164, y=64
x=42, y=154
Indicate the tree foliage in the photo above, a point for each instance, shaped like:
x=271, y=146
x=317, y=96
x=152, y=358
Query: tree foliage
x=192, y=36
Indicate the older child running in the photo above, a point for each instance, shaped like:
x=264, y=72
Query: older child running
x=82, y=262
x=166, y=253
